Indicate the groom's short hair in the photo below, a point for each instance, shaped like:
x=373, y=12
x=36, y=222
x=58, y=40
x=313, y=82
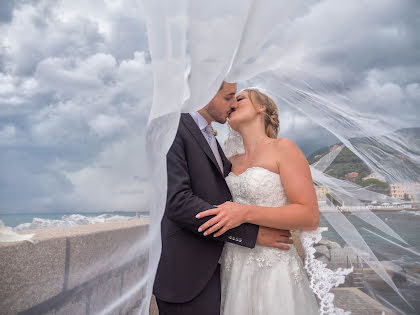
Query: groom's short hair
x=221, y=86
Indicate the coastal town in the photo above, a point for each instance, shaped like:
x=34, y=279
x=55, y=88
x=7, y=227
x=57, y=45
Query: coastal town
x=371, y=191
x=407, y=197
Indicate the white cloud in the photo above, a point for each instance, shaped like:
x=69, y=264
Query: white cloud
x=7, y=85
x=75, y=90
x=380, y=95
x=116, y=180
x=104, y=125
x=74, y=84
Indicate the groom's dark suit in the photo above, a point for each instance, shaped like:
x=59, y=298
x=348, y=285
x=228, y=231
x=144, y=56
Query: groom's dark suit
x=188, y=275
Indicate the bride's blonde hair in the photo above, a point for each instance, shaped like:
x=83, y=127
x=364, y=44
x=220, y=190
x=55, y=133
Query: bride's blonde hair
x=271, y=119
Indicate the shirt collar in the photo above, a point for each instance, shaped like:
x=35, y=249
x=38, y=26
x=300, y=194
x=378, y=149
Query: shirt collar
x=199, y=120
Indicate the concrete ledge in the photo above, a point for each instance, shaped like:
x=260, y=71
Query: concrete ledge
x=31, y=273
x=77, y=268
x=358, y=302
x=88, y=260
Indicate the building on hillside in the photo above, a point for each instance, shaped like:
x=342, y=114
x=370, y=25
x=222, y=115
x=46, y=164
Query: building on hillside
x=334, y=147
x=352, y=175
x=374, y=176
x=321, y=193
x=403, y=190
x=321, y=196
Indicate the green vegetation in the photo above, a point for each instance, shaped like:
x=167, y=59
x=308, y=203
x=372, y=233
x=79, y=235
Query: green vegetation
x=347, y=162
x=375, y=185
x=317, y=155
x=374, y=182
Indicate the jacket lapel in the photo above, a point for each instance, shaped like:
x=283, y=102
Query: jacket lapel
x=199, y=137
x=227, y=166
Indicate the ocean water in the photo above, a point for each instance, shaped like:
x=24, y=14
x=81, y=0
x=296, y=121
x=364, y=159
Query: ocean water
x=407, y=225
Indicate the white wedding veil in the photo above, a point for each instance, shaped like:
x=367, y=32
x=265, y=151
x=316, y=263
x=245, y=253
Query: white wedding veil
x=321, y=278
x=88, y=116
x=195, y=47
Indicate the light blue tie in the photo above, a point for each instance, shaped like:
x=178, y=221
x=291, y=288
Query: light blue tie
x=211, y=139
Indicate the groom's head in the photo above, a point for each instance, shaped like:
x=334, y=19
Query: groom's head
x=222, y=104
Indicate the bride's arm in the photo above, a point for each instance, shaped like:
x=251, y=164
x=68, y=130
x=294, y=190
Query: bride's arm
x=301, y=214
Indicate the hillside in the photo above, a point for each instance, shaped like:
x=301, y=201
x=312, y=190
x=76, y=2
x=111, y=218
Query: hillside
x=347, y=162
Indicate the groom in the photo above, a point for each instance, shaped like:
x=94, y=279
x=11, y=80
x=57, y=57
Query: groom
x=188, y=276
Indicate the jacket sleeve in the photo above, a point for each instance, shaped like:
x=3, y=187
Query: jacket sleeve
x=182, y=205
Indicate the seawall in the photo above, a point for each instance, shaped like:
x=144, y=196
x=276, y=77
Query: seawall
x=75, y=270
x=80, y=270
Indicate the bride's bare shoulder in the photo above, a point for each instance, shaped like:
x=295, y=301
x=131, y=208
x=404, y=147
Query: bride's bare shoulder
x=285, y=143
x=288, y=148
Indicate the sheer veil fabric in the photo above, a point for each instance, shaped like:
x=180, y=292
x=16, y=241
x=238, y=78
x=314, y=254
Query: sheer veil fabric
x=195, y=47
x=321, y=278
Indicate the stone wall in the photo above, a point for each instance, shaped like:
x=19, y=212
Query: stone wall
x=75, y=270
x=80, y=270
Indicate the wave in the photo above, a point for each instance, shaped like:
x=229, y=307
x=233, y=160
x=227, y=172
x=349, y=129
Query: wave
x=410, y=212
x=72, y=220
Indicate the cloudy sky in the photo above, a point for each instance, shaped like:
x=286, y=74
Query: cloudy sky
x=76, y=88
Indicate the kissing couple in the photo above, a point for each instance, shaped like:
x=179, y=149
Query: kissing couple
x=226, y=240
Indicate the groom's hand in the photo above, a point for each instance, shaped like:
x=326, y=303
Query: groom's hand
x=274, y=238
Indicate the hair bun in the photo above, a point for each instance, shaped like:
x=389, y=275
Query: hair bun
x=271, y=113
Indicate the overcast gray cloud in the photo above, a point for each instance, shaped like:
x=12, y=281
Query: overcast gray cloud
x=75, y=93
x=76, y=87
x=371, y=50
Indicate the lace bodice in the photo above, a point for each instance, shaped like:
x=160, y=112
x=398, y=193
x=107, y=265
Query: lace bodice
x=261, y=187
x=257, y=186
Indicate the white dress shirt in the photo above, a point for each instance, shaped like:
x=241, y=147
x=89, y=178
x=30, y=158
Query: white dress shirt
x=208, y=135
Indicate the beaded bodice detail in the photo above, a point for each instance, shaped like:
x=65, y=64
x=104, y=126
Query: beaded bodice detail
x=261, y=187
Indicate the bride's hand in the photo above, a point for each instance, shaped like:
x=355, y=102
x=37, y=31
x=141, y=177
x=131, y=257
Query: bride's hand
x=227, y=216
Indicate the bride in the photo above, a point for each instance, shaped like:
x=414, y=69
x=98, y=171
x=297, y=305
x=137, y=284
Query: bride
x=271, y=180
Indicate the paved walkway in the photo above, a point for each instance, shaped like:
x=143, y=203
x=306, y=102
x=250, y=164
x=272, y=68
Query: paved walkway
x=358, y=303
x=349, y=299
x=153, y=307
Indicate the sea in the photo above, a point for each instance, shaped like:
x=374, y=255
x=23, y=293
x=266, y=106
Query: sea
x=406, y=223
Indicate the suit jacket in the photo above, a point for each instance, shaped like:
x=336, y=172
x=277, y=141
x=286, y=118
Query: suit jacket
x=195, y=183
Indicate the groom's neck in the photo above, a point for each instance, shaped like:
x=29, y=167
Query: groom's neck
x=203, y=112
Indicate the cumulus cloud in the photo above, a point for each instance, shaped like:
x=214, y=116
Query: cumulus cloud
x=370, y=51
x=71, y=95
x=116, y=179
x=75, y=90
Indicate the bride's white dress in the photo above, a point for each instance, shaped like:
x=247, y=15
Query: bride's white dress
x=263, y=280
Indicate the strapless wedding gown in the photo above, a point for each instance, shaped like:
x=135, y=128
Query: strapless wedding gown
x=263, y=280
